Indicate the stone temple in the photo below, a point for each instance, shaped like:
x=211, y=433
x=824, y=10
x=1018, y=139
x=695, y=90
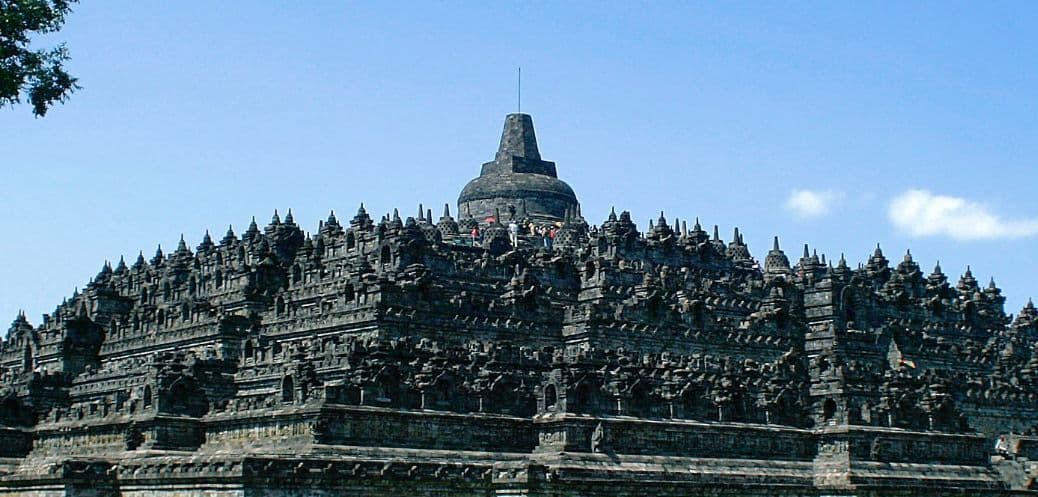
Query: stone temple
x=389, y=356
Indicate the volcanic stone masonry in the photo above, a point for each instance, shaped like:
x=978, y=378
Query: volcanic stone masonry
x=541, y=357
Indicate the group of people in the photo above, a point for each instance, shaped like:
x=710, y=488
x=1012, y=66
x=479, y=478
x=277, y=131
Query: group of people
x=545, y=232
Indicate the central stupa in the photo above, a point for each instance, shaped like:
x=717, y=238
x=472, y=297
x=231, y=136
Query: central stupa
x=518, y=183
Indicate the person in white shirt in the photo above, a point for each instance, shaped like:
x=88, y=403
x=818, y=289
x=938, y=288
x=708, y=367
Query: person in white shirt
x=513, y=233
x=1002, y=446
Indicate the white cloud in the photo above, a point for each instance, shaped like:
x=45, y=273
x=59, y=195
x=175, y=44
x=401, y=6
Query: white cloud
x=921, y=213
x=808, y=204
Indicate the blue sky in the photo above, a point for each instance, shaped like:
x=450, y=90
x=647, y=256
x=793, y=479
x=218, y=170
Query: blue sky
x=806, y=120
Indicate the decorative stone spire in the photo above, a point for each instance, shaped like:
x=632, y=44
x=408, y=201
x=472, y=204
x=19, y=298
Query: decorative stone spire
x=253, y=231
x=229, y=238
x=1027, y=317
x=181, y=245
x=697, y=235
x=19, y=326
x=182, y=255
x=121, y=267
x=447, y=225
x=967, y=283
x=878, y=264
x=908, y=267
x=737, y=250
x=106, y=271
x=275, y=224
x=518, y=139
x=207, y=243
x=159, y=256
x=776, y=263
x=361, y=220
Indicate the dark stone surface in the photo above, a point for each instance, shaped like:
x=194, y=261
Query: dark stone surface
x=395, y=357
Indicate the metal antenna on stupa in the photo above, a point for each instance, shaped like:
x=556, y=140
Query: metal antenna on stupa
x=519, y=92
